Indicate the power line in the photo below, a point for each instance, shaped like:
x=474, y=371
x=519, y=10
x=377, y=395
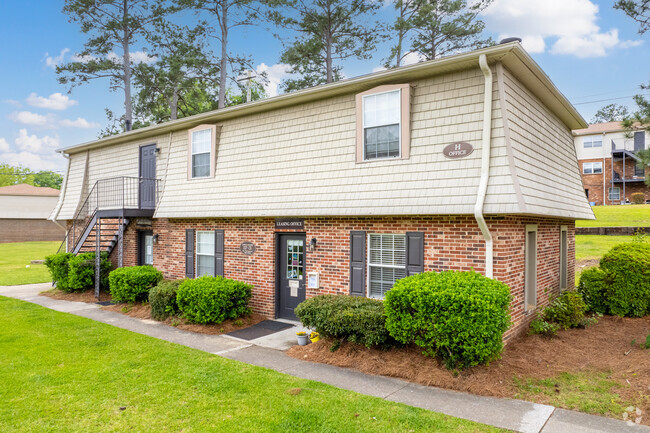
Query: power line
x=604, y=100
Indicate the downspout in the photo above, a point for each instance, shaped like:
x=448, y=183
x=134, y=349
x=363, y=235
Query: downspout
x=485, y=167
x=59, y=205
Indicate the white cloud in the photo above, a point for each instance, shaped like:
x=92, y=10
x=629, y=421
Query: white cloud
x=274, y=75
x=83, y=59
x=568, y=26
x=56, y=101
x=33, y=161
x=4, y=146
x=13, y=102
x=32, y=119
x=80, y=122
x=55, y=61
x=136, y=57
x=32, y=143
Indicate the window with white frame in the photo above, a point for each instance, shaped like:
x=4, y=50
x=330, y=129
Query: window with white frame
x=201, y=148
x=592, y=167
x=382, y=125
x=148, y=249
x=205, y=253
x=615, y=193
x=593, y=141
x=386, y=262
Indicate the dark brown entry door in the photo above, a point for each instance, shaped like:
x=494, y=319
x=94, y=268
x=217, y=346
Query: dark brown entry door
x=147, y=177
x=291, y=274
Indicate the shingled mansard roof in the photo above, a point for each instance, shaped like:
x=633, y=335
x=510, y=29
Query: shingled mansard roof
x=294, y=154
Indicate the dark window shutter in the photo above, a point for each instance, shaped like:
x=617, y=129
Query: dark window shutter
x=218, y=252
x=189, y=253
x=358, y=263
x=414, y=253
x=639, y=140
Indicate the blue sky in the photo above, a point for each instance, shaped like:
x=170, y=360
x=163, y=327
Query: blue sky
x=592, y=52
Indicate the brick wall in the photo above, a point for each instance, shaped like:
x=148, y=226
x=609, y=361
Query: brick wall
x=451, y=242
x=27, y=230
x=594, y=182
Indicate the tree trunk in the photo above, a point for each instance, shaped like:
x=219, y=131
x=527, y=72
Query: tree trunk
x=223, y=64
x=328, y=57
x=126, y=68
x=173, y=106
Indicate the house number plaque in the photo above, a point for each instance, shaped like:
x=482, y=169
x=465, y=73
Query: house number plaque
x=457, y=150
x=247, y=248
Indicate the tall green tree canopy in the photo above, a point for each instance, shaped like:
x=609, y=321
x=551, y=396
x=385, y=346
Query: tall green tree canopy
x=183, y=81
x=610, y=113
x=328, y=31
x=113, y=27
x=14, y=175
x=442, y=27
x=221, y=18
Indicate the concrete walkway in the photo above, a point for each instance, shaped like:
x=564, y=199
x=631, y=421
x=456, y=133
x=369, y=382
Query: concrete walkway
x=516, y=415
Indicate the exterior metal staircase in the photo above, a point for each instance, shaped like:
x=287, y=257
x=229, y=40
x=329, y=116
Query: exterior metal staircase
x=99, y=223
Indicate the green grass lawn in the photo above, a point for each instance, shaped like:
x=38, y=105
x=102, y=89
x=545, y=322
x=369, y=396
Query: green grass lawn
x=588, y=392
x=63, y=373
x=15, y=257
x=594, y=246
x=637, y=215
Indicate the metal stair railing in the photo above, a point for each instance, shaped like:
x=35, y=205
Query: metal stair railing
x=116, y=193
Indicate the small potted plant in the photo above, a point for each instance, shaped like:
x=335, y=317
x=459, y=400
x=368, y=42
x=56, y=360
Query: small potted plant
x=314, y=337
x=302, y=338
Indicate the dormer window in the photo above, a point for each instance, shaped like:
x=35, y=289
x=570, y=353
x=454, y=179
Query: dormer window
x=202, y=148
x=383, y=123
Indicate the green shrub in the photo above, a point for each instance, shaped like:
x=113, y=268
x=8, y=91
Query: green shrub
x=213, y=299
x=344, y=317
x=567, y=310
x=592, y=289
x=459, y=316
x=542, y=327
x=627, y=279
x=58, y=266
x=637, y=198
x=133, y=283
x=81, y=272
x=162, y=299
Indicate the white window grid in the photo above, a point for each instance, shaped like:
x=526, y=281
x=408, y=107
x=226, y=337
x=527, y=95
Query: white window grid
x=399, y=123
x=592, y=167
x=386, y=262
x=201, y=145
x=594, y=141
x=204, y=249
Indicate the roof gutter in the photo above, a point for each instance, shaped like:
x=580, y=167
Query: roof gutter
x=485, y=167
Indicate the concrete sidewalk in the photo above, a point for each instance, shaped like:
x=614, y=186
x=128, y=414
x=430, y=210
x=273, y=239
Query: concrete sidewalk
x=516, y=415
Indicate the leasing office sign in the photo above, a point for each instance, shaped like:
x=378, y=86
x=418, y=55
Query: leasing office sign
x=457, y=150
x=290, y=223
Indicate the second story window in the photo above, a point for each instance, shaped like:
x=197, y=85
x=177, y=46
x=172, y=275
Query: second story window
x=593, y=141
x=202, y=147
x=592, y=167
x=383, y=123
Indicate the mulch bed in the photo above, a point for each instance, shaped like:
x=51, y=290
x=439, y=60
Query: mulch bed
x=143, y=311
x=604, y=347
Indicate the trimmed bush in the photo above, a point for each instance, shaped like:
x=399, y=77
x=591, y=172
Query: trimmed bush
x=459, y=316
x=162, y=299
x=133, y=283
x=81, y=272
x=627, y=279
x=567, y=310
x=637, y=198
x=344, y=317
x=213, y=299
x=592, y=289
x=58, y=266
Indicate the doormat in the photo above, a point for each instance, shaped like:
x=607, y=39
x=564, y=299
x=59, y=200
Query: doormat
x=265, y=327
x=104, y=303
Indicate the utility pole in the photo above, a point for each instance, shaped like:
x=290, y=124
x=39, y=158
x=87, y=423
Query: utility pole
x=248, y=83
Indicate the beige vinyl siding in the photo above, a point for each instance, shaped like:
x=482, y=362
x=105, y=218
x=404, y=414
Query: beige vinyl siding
x=545, y=157
x=74, y=185
x=301, y=161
